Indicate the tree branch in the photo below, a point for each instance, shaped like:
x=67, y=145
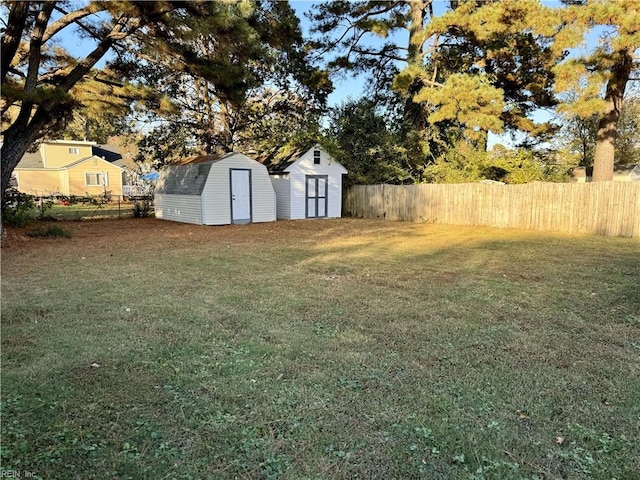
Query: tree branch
x=73, y=17
x=35, y=47
x=12, y=35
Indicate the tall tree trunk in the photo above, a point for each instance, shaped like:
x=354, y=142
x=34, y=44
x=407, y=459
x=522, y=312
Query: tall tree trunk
x=604, y=155
x=414, y=115
x=17, y=139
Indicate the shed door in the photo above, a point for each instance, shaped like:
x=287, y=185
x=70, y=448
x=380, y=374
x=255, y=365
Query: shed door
x=316, y=195
x=240, y=195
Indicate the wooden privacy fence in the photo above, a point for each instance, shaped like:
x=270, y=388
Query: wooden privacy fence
x=603, y=208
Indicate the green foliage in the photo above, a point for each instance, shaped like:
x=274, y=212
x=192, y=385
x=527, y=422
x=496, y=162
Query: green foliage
x=18, y=209
x=587, y=74
x=163, y=145
x=598, y=77
x=578, y=134
x=468, y=164
x=50, y=231
x=366, y=145
x=468, y=100
x=143, y=208
x=213, y=92
x=479, y=67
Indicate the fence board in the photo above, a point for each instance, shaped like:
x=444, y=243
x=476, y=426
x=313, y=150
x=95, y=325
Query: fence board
x=603, y=208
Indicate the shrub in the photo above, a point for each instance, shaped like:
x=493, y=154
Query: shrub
x=50, y=231
x=19, y=209
x=142, y=208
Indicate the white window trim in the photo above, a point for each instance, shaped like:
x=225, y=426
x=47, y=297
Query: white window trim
x=74, y=150
x=103, y=175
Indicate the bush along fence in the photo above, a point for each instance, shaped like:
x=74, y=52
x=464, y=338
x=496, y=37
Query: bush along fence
x=603, y=208
x=21, y=209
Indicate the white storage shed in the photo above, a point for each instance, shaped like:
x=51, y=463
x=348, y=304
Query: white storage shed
x=308, y=184
x=216, y=190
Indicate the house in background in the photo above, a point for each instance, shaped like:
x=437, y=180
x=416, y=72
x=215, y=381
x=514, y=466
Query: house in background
x=215, y=190
x=67, y=167
x=308, y=184
x=621, y=173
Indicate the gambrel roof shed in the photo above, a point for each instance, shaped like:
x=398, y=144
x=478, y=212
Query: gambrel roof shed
x=215, y=190
x=308, y=184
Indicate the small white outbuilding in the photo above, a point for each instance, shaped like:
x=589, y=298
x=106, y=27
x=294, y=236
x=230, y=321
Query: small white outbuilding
x=308, y=184
x=216, y=190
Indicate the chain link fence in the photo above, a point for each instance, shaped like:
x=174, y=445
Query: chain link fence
x=91, y=208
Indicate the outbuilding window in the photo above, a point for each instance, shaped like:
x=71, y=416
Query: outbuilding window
x=96, y=179
x=74, y=151
x=316, y=157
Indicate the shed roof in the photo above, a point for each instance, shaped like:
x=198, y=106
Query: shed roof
x=213, y=157
x=278, y=164
x=188, y=175
x=184, y=179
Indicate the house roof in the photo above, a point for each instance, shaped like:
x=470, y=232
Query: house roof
x=31, y=160
x=82, y=160
x=109, y=152
x=626, y=169
x=630, y=170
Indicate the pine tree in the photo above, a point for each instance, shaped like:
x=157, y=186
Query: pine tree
x=481, y=66
x=601, y=76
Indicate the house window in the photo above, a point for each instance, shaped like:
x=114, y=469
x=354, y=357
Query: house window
x=316, y=157
x=96, y=179
x=74, y=151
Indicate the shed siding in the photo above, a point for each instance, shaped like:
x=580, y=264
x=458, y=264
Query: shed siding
x=216, y=204
x=304, y=166
x=217, y=195
x=282, y=187
x=179, y=208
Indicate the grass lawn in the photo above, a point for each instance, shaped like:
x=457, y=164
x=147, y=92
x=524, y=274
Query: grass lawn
x=142, y=349
x=80, y=211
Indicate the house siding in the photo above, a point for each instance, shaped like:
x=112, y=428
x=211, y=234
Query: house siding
x=77, y=182
x=304, y=166
x=41, y=182
x=69, y=179
x=179, y=208
x=57, y=155
x=282, y=186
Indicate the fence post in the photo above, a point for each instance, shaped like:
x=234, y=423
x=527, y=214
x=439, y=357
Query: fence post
x=119, y=207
